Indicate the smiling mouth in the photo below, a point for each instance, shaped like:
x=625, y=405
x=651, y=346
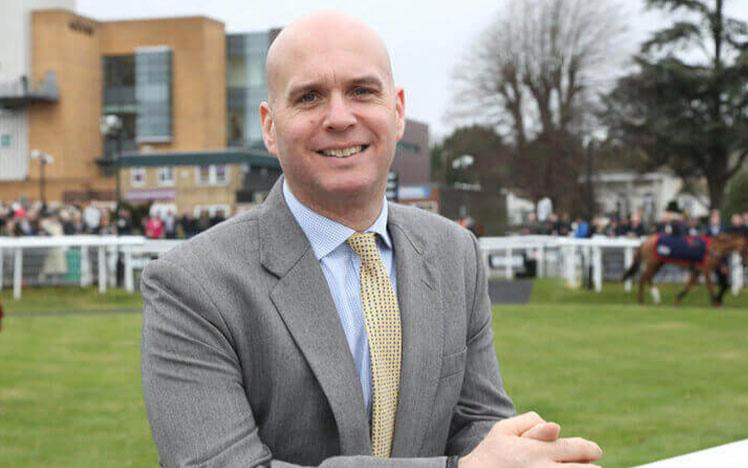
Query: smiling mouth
x=342, y=153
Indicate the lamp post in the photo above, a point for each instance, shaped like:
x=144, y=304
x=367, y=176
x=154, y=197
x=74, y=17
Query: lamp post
x=111, y=127
x=462, y=163
x=43, y=159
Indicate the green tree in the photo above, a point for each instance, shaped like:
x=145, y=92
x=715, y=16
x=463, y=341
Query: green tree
x=489, y=153
x=737, y=195
x=686, y=107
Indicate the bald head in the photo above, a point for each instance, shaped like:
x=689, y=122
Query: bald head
x=322, y=34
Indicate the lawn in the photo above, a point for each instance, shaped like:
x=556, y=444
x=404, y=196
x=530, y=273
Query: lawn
x=644, y=382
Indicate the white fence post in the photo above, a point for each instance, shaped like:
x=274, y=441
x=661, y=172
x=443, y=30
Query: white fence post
x=86, y=275
x=597, y=268
x=129, y=280
x=17, y=273
x=570, y=265
x=628, y=259
x=509, y=272
x=101, y=257
x=540, y=265
x=736, y=268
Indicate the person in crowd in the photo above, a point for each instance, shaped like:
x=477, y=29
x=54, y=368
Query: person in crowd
x=693, y=226
x=736, y=221
x=154, y=227
x=582, y=229
x=563, y=226
x=187, y=225
x=375, y=316
x=123, y=223
x=55, y=263
x=170, y=225
x=635, y=225
x=91, y=218
x=203, y=221
x=218, y=217
x=107, y=226
x=714, y=228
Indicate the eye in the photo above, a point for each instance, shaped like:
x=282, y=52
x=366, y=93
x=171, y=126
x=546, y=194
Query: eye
x=308, y=98
x=362, y=91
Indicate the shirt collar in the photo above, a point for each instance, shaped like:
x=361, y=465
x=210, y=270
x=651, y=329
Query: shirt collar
x=324, y=234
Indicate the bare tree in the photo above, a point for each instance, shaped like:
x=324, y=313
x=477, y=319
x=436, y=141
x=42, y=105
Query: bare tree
x=535, y=68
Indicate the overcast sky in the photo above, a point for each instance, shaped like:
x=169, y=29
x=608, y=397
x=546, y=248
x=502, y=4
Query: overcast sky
x=426, y=38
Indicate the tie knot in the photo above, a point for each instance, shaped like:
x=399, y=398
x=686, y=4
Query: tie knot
x=364, y=244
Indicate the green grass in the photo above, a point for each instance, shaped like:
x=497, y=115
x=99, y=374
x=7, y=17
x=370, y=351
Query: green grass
x=645, y=382
x=69, y=299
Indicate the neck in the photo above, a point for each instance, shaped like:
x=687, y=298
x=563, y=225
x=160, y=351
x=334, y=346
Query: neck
x=357, y=212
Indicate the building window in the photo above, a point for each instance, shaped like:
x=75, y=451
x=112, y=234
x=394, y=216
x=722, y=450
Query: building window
x=137, y=176
x=212, y=210
x=221, y=175
x=245, y=59
x=213, y=175
x=5, y=141
x=203, y=175
x=153, y=70
x=166, y=176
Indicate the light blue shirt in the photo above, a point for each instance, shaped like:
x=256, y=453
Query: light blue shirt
x=341, y=266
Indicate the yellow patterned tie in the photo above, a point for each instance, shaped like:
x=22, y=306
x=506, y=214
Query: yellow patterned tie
x=382, y=318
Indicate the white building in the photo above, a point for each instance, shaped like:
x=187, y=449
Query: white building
x=15, y=73
x=628, y=191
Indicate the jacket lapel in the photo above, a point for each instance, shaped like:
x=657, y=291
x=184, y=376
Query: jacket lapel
x=303, y=300
x=422, y=332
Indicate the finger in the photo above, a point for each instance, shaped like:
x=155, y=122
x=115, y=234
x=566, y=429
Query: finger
x=575, y=449
x=518, y=424
x=547, y=432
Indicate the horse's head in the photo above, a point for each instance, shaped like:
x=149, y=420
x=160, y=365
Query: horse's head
x=727, y=242
x=738, y=242
x=744, y=249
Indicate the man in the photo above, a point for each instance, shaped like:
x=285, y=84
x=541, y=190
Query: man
x=273, y=339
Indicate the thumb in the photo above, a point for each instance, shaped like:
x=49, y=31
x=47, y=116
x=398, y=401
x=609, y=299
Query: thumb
x=547, y=432
x=518, y=425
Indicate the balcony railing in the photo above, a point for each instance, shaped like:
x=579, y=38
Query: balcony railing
x=21, y=92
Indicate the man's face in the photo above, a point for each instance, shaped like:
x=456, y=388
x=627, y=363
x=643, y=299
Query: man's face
x=333, y=119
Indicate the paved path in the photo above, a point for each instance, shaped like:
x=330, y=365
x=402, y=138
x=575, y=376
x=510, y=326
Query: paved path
x=516, y=291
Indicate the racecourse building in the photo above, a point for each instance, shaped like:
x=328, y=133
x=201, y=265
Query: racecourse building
x=160, y=111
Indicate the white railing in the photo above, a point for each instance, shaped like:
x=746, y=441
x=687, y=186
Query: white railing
x=554, y=256
x=572, y=257
x=106, y=247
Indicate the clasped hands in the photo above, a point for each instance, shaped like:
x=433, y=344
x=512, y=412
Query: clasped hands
x=529, y=441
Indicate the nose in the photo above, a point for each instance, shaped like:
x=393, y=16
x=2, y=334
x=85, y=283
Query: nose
x=339, y=114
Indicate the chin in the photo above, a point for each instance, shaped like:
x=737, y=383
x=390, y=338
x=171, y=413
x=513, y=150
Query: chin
x=349, y=187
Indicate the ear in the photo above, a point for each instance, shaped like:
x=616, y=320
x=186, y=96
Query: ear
x=400, y=112
x=268, y=128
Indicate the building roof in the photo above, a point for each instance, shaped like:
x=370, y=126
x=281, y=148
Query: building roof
x=253, y=157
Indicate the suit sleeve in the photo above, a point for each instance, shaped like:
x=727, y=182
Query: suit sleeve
x=193, y=387
x=483, y=400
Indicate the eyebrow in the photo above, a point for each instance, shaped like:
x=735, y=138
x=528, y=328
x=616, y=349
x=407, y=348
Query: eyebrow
x=366, y=80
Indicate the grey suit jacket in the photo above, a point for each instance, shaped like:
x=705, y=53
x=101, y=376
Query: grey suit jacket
x=245, y=362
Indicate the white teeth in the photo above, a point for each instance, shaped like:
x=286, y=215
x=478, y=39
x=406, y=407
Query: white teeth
x=343, y=152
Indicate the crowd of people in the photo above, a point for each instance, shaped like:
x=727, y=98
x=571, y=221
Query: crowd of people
x=670, y=222
x=17, y=219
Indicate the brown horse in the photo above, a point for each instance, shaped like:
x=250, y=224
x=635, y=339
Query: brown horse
x=717, y=251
